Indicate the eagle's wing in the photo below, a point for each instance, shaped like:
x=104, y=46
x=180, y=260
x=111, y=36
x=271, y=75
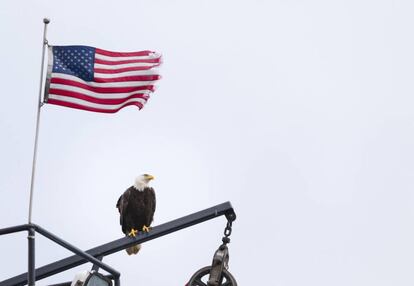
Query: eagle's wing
x=122, y=204
x=155, y=202
x=152, y=205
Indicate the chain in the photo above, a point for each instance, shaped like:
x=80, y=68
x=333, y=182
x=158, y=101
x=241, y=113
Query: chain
x=227, y=233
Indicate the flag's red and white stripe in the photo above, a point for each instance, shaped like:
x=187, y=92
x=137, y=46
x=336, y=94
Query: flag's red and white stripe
x=120, y=80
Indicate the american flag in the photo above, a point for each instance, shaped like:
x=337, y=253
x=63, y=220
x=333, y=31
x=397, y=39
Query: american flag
x=97, y=80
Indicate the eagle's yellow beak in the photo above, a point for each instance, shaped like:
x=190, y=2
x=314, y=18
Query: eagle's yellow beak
x=150, y=177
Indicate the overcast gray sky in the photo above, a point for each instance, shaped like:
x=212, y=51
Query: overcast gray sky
x=298, y=112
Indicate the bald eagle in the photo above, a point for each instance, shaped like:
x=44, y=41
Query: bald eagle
x=136, y=209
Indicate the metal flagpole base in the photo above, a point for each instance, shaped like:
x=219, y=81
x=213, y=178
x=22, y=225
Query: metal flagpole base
x=31, y=274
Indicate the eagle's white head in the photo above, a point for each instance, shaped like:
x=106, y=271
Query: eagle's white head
x=141, y=182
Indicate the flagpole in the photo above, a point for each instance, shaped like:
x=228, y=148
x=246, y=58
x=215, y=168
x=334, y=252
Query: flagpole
x=40, y=103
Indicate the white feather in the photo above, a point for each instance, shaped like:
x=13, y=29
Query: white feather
x=141, y=182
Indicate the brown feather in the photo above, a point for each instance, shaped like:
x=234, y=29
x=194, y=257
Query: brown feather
x=136, y=209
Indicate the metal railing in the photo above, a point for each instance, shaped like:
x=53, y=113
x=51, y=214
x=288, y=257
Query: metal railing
x=96, y=254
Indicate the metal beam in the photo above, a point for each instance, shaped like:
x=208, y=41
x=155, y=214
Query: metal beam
x=125, y=242
x=14, y=229
x=31, y=274
x=77, y=251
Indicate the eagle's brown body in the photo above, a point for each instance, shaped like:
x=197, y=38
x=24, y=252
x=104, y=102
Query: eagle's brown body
x=136, y=209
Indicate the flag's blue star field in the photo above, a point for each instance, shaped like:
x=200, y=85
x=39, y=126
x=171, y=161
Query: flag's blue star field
x=74, y=60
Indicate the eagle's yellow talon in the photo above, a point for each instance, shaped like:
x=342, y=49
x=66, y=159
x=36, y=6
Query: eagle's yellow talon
x=145, y=228
x=133, y=232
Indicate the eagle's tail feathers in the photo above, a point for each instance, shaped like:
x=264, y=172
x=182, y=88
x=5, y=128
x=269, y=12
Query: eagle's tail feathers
x=133, y=249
